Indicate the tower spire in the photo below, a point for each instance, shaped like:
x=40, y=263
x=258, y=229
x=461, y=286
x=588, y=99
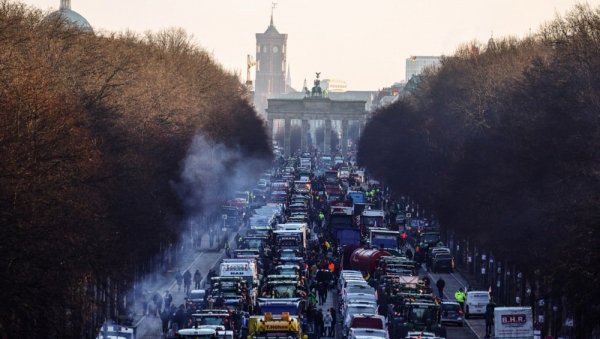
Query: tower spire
x=273, y=6
x=65, y=4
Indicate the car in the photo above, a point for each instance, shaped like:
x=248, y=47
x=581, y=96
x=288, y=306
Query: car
x=452, y=313
x=476, y=302
x=353, y=309
x=442, y=262
x=195, y=300
x=344, y=306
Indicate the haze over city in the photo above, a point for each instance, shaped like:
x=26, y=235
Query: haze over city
x=363, y=43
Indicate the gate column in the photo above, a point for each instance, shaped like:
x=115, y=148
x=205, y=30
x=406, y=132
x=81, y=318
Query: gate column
x=344, y=137
x=327, y=138
x=287, y=136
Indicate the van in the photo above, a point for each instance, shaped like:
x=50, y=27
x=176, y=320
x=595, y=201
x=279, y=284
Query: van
x=475, y=302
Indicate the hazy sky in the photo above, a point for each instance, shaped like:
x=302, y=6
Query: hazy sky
x=364, y=43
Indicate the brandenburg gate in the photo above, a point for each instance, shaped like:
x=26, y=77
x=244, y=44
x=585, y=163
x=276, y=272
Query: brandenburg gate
x=313, y=107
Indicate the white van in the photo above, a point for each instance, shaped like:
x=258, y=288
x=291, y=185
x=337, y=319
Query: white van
x=475, y=302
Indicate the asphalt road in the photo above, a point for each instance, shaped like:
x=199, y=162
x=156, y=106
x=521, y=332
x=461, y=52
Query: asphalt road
x=150, y=327
x=475, y=327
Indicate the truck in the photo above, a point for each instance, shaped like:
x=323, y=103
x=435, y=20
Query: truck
x=342, y=226
x=372, y=218
x=383, y=238
x=417, y=316
x=271, y=326
x=366, y=259
x=513, y=322
x=280, y=305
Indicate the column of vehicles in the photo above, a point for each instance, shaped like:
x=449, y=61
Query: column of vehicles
x=376, y=284
x=261, y=290
x=380, y=293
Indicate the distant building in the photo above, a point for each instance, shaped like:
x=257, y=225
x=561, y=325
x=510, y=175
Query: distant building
x=388, y=95
x=416, y=64
x=270, y=80
x=412, y=86
x=66, y=13
x=334, y=85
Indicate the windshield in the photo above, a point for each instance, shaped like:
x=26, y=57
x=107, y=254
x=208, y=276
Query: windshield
x=210, y=320
x=358, y=289
x=287, y=271
x=196, y=295
x=421, y=314
x=430, y=238
x=480, y=296
x=284, y=291
x=372, y=221
x=254, y=243
x=288, y=254
x=451, y=307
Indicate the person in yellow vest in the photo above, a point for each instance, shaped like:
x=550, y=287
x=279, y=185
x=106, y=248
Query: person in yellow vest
x=459, y=296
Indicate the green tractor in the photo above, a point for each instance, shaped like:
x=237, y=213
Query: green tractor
x=424, y=242
x=422, y=316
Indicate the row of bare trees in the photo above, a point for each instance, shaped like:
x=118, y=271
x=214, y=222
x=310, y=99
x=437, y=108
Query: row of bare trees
x=503, y=143
x=93, y=129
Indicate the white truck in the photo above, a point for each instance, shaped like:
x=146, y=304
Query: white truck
x=513, y=322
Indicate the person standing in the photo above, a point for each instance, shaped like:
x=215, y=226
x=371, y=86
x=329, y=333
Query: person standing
x=333, y=321
x=489, y=318
x=440, y=284
x=312, y=298
x=322, y=292
x=409, y=254
x=197, y=279
x=144, y=303
x=165, y=316
x=179, y=279
x=187, y=281
x=227, y=249
x=327, y=320
x=158, y=301
x=168, y=298
x=320, y=328
x=459, y=296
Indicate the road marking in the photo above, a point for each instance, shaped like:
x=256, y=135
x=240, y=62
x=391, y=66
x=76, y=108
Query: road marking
x=460, y=283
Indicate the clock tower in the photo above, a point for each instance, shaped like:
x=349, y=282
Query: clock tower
x=271, y=51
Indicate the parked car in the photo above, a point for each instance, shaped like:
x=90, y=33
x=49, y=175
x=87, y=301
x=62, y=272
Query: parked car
x=475, y=302
x=452, y=313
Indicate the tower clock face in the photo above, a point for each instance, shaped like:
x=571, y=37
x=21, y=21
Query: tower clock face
x=275, y=49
